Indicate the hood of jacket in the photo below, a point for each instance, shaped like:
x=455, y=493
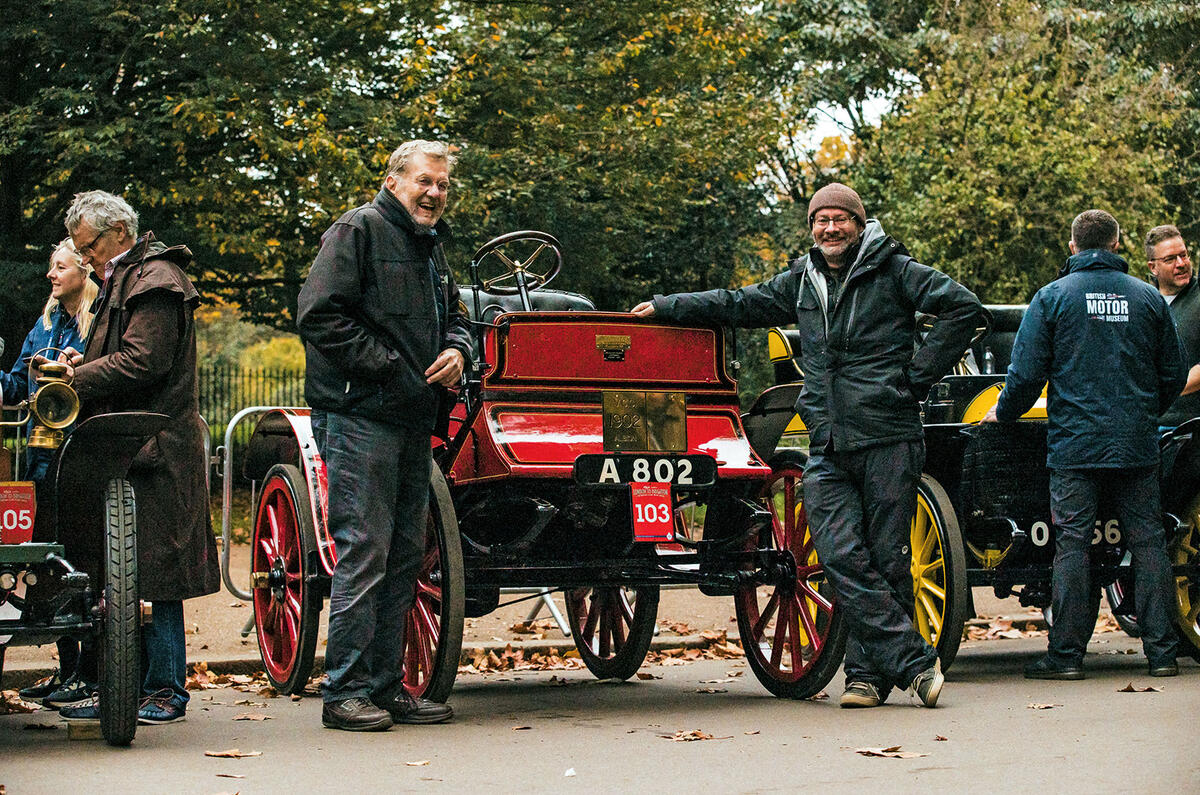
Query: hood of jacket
x=1093, y=259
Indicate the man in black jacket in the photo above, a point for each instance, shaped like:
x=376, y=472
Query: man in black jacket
x=1171, y=271
x=853, y=299
x=1106, y=344
x=384, y=337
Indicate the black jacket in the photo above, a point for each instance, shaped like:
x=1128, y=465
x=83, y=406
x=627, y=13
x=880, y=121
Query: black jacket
x=1105, y=342
x=1185, y=311
x=863, y=382
x=368, y=318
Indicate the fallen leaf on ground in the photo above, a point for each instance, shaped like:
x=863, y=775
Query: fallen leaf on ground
x=711, y=690
x=1106, y=623
x=521, y=728
x=644, y=675
x=751, y=733
x=232, y=753
x=1003, y=629
x=1129, y=688
x=570, y=772
x=892, y=752
x=939, y=738
x=251, y=716
x=237, y=604
x=679, y=628
x=715, y=681
x=230, y=775
x=692, y=736
x=822, y=696
x=245, y=702
x=11, y=703
x=1042, y=706
x=418, y=763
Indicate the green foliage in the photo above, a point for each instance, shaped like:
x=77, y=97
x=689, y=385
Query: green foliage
x=284, y=352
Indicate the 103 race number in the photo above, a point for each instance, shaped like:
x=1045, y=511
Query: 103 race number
x=1106, y=532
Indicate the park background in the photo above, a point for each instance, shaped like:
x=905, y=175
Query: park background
x=668, y=146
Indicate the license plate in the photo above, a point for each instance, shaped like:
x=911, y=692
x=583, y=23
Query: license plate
x=653, y=515
x=18, y=506
x=687, y=471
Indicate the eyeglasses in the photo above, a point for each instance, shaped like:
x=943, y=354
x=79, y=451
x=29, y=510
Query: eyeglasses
x=837, y=222
x=90, y=247
x=1172, y=258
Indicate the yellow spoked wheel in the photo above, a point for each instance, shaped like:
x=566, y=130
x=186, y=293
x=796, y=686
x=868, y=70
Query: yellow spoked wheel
x=939, y=571
x=1185, y=550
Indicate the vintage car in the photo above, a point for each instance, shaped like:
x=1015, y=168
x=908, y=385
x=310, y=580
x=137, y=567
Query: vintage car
x=68, y=547
x=983, y=505
x=591, y=453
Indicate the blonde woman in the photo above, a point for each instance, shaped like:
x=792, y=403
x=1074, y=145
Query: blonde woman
x=65, y=322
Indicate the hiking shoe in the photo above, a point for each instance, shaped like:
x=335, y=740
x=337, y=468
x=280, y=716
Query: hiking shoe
x=927, y=685
x=42, y=687
x=84, y=710
x=1163, y=669
x=860, y=694
x=355, y=715
x=73, y=692
x=1046, y=668
x=405, y=708
x=161, y=707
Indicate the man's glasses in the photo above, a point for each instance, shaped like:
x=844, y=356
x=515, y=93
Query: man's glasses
x=837, y=223
x=1172, y=258
x=90, y=247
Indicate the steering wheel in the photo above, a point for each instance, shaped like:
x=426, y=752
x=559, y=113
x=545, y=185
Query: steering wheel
x=522, y=261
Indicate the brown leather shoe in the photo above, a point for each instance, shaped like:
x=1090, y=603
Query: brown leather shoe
x=355, y=715
x=405, y=709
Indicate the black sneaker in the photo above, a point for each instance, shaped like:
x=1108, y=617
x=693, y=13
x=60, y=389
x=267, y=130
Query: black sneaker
x=1156, y=669
x=42, y=687
x=161, y=707
x=73, y=692
x=404, y=708
x=927, y=685
x=355, y=715
x=1046, y=668
x=858, y=695
x=84, y=710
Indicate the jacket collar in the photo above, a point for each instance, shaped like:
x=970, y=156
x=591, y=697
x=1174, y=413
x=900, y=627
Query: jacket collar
x=1094, y=259
x=391, y=209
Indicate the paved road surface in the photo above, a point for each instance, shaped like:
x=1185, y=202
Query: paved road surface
x=1095, y=740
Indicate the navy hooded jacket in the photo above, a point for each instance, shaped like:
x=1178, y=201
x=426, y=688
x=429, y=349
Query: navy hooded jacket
x=1106, y=343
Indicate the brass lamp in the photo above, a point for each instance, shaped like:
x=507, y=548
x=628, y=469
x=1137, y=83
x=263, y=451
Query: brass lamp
x=54, y=406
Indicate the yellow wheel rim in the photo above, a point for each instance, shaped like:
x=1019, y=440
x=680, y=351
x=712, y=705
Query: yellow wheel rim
x=1187, y=592
x=928, y=572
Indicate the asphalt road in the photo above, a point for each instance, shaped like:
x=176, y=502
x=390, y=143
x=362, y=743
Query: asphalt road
x=564, y=732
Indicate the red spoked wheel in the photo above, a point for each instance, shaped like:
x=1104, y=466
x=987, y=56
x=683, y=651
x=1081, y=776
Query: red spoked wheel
x=611, y=630
x=793, y=635
x=286, y=610
x=434, y=627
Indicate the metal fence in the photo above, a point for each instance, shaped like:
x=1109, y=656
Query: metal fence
x=224, y=391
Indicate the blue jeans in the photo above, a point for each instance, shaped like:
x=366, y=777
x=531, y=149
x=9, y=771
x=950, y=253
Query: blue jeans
x=860, y=507
x=378, y=502
x=1074, y=495
x=164, y=653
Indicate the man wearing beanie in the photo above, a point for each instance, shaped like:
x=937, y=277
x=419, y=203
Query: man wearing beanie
x=853, y=299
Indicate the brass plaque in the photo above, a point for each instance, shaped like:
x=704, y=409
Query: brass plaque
x=644, y=421
x=613, y=342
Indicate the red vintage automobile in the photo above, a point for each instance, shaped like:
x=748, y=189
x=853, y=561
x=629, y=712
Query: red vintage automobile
x=592, y=453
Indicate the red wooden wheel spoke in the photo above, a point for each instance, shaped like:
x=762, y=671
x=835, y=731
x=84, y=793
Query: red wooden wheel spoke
x=622, y=607
x=427, y=589
x=593, y=615
x=267, y=548
x=781, y=629
x=293, y=605
x=619, y=621
x=813, y=595
x=760, y=627
x=273, y=523
x=810, y=626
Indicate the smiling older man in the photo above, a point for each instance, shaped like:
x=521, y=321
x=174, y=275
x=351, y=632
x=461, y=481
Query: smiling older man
x=853, y=299
x=384, y=336
x=1171, y=271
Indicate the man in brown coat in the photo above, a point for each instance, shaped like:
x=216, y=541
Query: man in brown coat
x=141, y=356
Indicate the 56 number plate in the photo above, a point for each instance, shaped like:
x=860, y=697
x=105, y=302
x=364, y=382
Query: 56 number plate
x=687, y=471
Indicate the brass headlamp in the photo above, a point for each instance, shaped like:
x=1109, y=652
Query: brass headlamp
x=53, y=407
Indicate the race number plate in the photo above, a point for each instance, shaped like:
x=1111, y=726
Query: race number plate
x=652, y=512
x=18, y=506
x=687, y=471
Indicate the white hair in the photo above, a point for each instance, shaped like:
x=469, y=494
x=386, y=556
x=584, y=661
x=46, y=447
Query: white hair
x=101, y=210
x=404, y=152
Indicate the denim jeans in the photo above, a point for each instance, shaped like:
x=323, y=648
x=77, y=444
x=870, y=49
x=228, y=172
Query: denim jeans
x=378, y=502
x=164, y=653
x=860, y=507
x=1074, y=494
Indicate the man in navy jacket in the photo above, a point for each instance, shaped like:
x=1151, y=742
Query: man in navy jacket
x=1105, y=342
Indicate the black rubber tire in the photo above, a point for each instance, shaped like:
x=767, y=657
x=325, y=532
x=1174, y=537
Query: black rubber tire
x=810, y=594
x=120, y=645
x=950, y=576
x=1116, y=593
x=443, y=571
x=285, y=494
x=1184, y=549
x=616, y=650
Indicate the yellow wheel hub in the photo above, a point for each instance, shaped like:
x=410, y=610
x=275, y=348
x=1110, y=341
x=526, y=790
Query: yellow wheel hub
x=928, y=571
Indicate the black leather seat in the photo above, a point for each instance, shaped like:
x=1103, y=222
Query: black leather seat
x=492, y=305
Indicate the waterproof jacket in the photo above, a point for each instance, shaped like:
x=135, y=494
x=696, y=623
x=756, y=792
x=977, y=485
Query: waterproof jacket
x=62, y=334
x=368, y=317
x=141, y=356
x=1106, y=343
x=1185, y=311
x=863, y=379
